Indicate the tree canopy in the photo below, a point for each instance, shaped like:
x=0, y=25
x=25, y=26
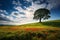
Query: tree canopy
x=41, y=14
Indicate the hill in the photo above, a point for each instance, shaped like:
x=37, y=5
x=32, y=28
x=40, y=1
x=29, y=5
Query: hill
x=53, y=23
x=49, y=30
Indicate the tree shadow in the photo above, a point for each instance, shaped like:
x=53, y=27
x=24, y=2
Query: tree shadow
x=54, y=24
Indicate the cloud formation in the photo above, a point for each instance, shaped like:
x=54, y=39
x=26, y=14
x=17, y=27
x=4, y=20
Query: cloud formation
x=25, y=10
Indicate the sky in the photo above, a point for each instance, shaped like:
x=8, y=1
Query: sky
x=16, y=12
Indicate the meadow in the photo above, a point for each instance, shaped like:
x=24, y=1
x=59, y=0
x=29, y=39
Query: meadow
x=49, y=30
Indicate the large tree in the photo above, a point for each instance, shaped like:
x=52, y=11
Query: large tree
x=41, y=13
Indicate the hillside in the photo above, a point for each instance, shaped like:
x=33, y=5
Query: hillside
x=49, y=30
x=53, y=23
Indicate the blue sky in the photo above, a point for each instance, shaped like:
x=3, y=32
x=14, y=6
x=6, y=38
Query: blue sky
x=21, y=11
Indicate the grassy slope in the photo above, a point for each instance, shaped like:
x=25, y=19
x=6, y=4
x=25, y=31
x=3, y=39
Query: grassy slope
x=33, y=26
x=51, y=28
x=54, y=23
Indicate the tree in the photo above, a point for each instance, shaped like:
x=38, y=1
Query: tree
x=41, y=14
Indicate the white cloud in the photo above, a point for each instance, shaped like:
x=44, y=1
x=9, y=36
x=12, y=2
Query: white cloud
x=18, y=16
x=29, y=0
x=53, y=3
x=16, y=3
x=28, y=12
x=8, y=23
x=1, y=10
x=2, y=13
x=10, y=18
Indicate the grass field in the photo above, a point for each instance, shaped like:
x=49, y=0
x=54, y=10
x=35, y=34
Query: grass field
x=49, y=30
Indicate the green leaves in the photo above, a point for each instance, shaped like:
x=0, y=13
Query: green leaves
x=41, y=13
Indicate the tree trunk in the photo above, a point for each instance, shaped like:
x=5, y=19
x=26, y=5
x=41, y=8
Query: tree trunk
x=40, y=20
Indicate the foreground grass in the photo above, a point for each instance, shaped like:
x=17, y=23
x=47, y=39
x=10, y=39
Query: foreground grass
x=49, y=30
x=30, y=35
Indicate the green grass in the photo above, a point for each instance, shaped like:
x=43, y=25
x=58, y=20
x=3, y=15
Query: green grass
x=53, y=23
x=51, y=31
